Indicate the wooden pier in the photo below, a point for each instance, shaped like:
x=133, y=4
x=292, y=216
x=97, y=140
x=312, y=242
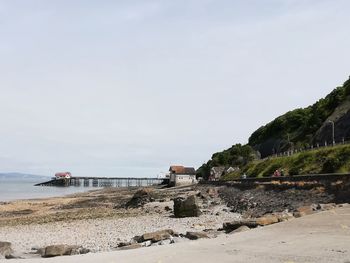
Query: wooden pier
x=104, y=182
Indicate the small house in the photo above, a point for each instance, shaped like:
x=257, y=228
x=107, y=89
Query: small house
x=64, y=175
x=180, y=175
x=218, y=171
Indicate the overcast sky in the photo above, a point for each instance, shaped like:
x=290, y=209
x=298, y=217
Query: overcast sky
x=126, y=88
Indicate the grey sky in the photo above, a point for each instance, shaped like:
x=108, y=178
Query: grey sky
x=126, y=88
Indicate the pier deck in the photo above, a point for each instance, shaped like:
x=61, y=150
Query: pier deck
x=103, y=182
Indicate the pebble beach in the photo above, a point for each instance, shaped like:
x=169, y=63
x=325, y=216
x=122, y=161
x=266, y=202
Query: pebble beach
x=105, y=232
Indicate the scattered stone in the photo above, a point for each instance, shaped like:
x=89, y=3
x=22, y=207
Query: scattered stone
x=166, y=242
x=63, y=250
x=250, y=223
x=284, y=216
x=266, y=220
x=83, y=250
x=132, y=246
x=325, y=207
x=304, y=210
x=158, y=235
x=212, y=192
x=124, y=244
x=141, y=197
x=231, y=226
x=214, y=203
x=6, y=249
x=35, y=247
x=167, y=208
x=196, y=235
x=240, y=229
x=146, y=243
x=257, y=202
x=136, y=239
x=212, y=233
x=298, y=214
x=186, y=207
x=40, y=251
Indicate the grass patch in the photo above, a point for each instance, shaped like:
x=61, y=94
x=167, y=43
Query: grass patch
x=324, y=160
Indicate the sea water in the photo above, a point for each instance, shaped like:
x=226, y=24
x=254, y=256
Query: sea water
x=23, y=188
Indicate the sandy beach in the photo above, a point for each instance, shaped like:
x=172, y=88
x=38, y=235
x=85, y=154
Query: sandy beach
x=102, y=221
x=98, y=221
x=322, y=238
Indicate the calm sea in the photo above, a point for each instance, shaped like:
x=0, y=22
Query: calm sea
x=13, y=189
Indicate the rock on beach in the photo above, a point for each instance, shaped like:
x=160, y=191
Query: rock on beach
x=5, y=249
x=186, y=207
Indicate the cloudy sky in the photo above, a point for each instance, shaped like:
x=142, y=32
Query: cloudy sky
x=126, y=88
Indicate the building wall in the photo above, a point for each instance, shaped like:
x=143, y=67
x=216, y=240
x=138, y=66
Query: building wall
x=182, y=179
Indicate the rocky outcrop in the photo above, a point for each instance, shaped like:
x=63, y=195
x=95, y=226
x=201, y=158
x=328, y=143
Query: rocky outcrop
x=341, y=119
x=186, y=207
x=258, y=202
x=141, y=197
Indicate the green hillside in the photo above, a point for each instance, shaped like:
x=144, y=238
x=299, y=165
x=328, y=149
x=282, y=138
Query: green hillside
x=296, y=129
x=323, y=160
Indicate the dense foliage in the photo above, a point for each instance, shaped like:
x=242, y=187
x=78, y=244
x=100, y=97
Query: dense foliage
x=323, y=160
x=238, y=156
x=299, y=126
x=296, y=128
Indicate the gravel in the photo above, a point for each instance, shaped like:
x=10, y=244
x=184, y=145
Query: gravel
x=105, y=234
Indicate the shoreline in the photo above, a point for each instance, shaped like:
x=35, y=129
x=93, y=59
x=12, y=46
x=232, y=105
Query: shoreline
x=319, y=238
x=98, y=220
x=106, y=219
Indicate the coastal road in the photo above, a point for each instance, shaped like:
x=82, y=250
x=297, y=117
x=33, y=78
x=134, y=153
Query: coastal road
x=322, y=237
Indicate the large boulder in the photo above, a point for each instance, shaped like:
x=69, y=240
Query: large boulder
x=62, y=250
x=186, y=207
x=5, y=249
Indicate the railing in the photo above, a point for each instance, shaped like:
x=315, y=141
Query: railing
x=309, y=177
x=310, y=148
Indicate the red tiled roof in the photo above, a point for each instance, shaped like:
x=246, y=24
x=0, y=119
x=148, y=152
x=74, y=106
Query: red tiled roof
x=178, y=169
